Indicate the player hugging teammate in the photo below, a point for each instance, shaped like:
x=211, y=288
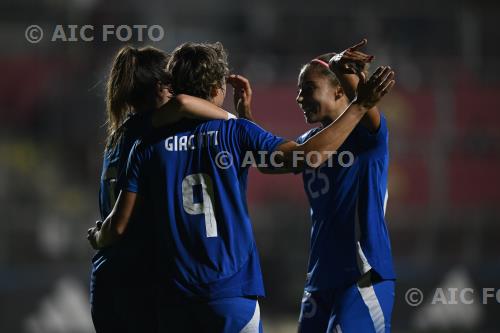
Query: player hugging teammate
x=203, y=272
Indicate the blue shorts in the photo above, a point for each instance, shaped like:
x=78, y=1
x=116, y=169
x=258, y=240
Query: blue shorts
x=226, y=315
x=120, y=302
x=363, y=307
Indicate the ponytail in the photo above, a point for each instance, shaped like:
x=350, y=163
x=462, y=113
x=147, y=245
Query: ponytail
x=131, y=86
x=118, y=89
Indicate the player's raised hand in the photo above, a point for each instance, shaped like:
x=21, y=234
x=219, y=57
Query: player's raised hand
x=370, y=91
x=242, y=95
x=351, y=60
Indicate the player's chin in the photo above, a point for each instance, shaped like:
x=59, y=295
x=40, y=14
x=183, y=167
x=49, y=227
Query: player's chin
x=310, y=118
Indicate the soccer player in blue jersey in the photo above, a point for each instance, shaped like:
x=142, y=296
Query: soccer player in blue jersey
x=191, y=175
x=350, y=277
x=121, y=293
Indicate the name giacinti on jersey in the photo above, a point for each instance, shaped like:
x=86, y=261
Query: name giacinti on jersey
x=193, y=141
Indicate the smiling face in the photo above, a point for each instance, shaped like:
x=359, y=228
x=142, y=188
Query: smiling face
x=318, y=96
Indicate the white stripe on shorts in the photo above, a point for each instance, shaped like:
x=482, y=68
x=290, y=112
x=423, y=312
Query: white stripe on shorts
x=371, y=301
x=253, y=325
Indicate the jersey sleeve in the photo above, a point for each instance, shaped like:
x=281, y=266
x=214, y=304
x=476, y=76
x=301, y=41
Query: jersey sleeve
x=304, y=137
x=137, y=161
x=255, y=138
x=377, y=140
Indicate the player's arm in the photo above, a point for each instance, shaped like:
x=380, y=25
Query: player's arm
x=347, y=67
x=242, y=97
x=321, y=146
x=186, y=106
x=115, y=224
x=294, y=157
x=291, y=156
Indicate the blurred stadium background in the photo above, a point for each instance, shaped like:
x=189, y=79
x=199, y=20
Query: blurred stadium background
x=444, y=117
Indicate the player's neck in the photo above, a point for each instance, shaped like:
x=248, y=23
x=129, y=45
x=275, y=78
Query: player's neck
x=334, y=114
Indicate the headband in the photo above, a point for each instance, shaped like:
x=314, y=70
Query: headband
x=321, y=62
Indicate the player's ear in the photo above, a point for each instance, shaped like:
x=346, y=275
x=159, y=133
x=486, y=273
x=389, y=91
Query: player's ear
x=159, y=88
x=214, y=91
x=162, y=89
x=162, y=93
x=339, y=92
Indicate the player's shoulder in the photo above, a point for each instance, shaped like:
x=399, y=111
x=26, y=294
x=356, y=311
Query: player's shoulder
x=236, y=123
x=243, y=122
x=136, y=122
x=232, y=122
x=143, y=144
x=135, y=127
x=246, y=124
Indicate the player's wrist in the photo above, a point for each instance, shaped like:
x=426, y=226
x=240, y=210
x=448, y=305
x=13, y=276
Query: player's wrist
x=361, y=104
x=246, y=113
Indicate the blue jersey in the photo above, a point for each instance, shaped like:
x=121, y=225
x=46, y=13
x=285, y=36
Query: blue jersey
x=121, y=292
x=348, y=195
x=115, y=162
x=195, y=179
x=112, y=182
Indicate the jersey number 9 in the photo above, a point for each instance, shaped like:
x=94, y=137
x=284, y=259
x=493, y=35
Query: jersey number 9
x=206, y=206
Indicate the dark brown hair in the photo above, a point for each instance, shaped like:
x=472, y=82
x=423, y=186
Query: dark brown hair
x=131, y=85
x=195, y=68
